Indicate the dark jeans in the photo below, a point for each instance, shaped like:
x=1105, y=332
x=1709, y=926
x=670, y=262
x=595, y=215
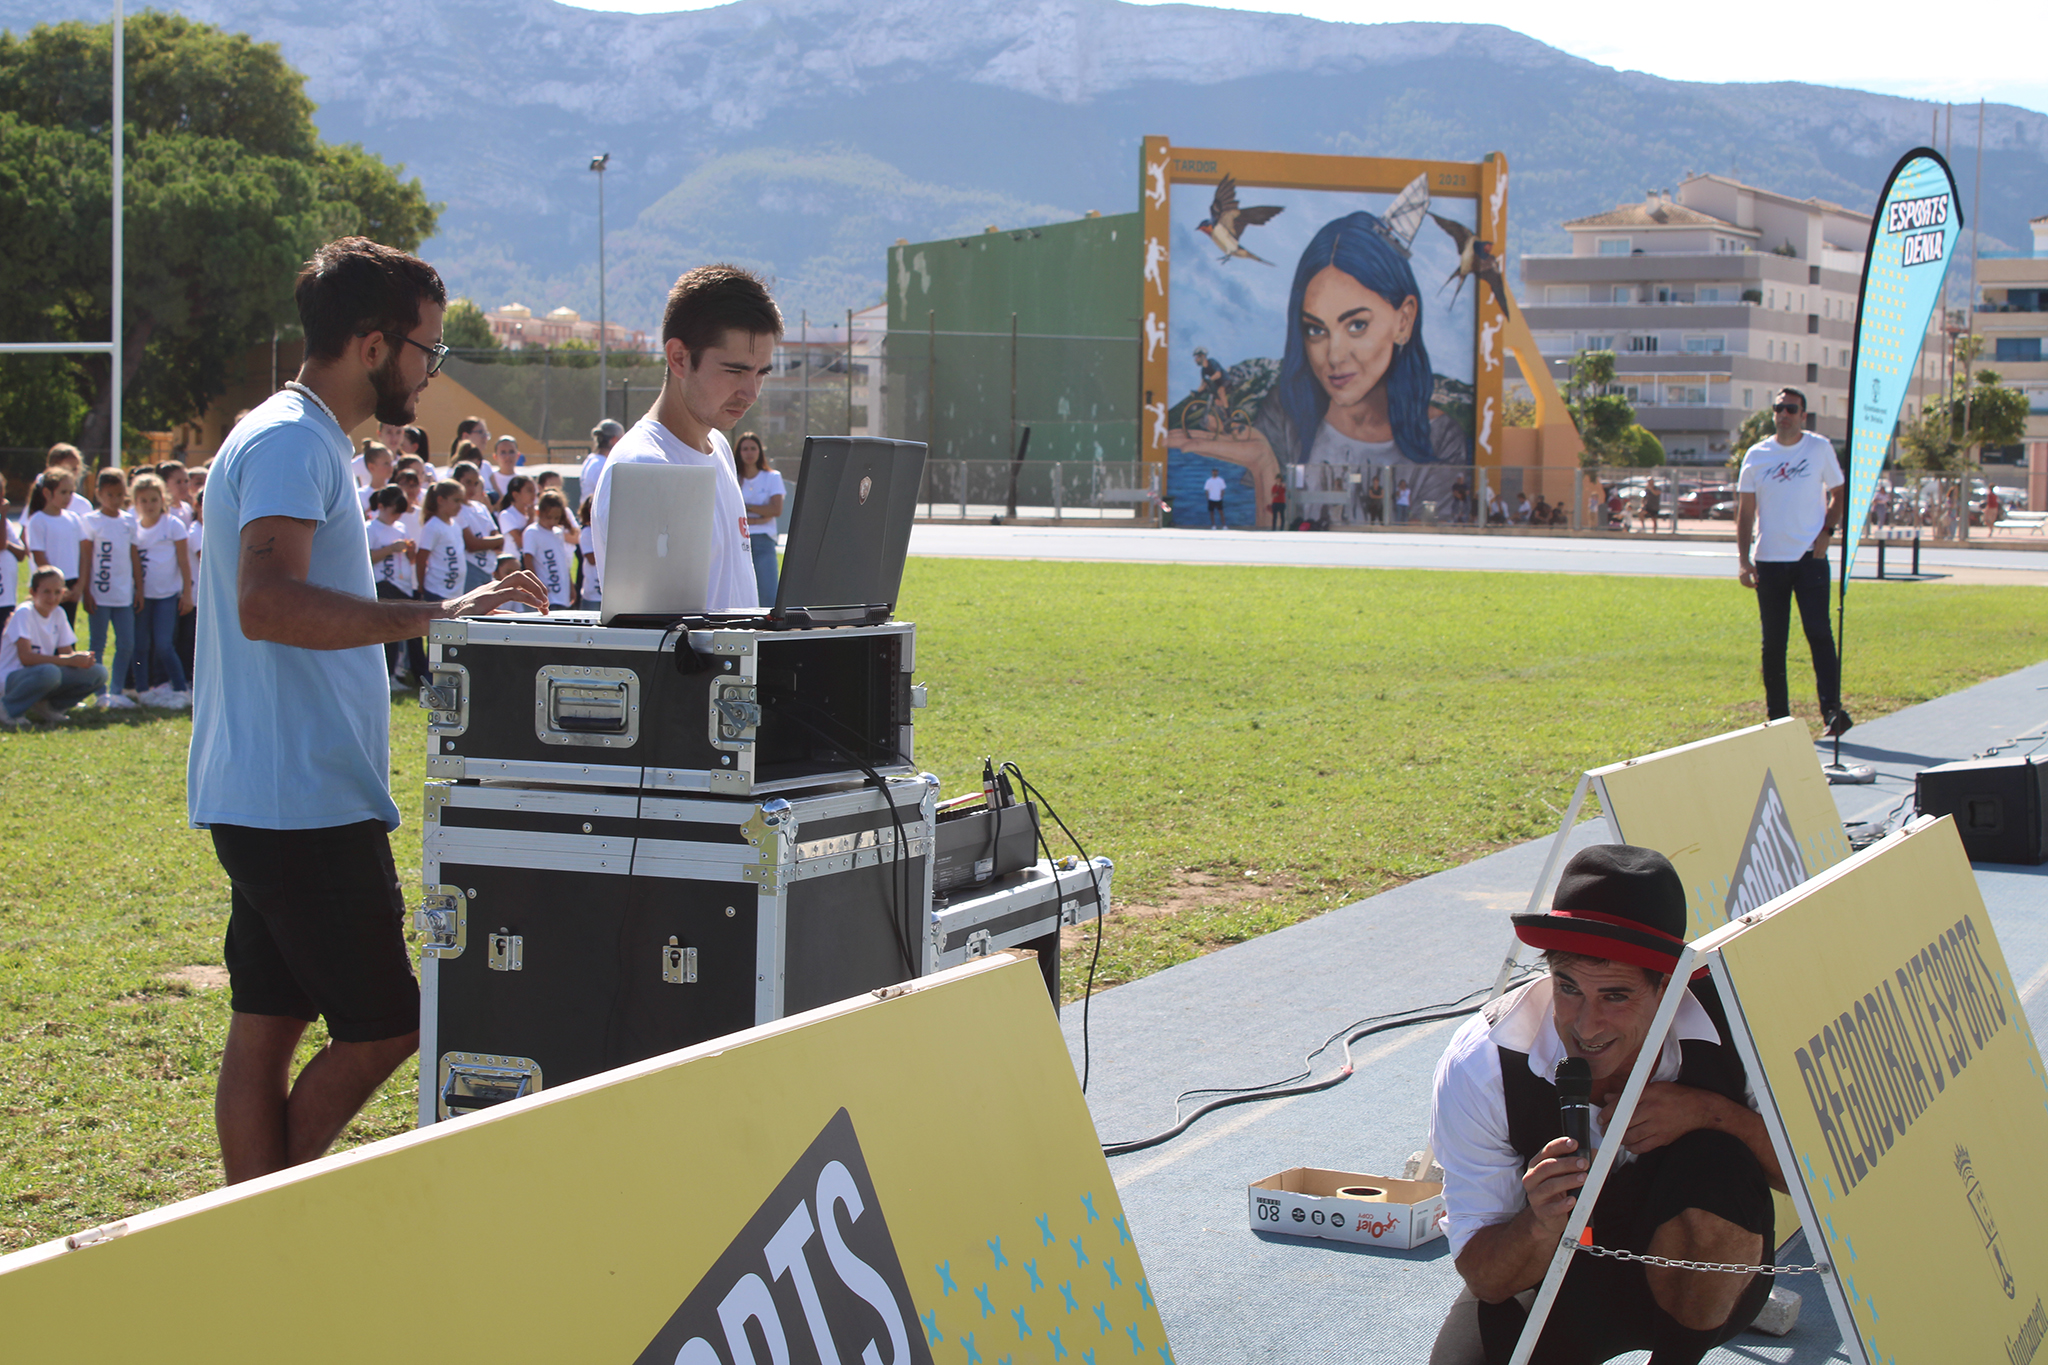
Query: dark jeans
x=156, y=633
x=1778, y=584
x=1279, y=510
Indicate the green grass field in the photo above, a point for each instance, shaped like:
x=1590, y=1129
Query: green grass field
x=1250, y=745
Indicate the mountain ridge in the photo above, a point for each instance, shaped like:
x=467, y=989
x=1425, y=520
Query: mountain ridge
x=951, y=115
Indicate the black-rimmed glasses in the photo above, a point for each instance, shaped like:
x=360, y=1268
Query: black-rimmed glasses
x=437, y=353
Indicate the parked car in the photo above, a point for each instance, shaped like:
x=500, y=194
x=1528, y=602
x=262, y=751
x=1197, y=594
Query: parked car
x=1699, y=502
x=1722, y=511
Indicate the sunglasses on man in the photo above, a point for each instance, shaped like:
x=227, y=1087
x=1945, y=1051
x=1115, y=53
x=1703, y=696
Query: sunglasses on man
x=1775, y=407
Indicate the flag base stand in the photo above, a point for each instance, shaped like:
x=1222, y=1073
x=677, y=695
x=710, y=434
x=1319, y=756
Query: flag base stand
x=1847, y=775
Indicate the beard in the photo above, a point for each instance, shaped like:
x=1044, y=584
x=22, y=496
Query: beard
x=396, y=399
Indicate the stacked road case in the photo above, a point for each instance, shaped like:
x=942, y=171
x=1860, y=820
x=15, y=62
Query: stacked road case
x=637, y=840
x=640, y=839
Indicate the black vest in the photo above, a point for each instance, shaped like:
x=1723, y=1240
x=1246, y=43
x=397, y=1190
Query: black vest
x=1532, y=1101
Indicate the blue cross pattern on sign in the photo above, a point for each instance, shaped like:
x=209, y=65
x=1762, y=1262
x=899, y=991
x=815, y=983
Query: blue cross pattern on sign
x=1912, y=236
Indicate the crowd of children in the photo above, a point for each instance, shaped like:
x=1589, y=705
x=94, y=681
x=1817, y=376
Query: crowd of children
x=435, y=534
x=126, y=549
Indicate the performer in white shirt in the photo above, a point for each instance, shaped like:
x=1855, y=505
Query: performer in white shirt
x=1696, y=1171
x=718, y=334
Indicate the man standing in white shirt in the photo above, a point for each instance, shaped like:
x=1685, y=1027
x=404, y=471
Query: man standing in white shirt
x=718, y=335
x=1214, y=487
x=1790, y=493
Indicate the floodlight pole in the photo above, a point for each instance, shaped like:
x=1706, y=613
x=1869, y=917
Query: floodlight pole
x=115, y=357
x=598, y=164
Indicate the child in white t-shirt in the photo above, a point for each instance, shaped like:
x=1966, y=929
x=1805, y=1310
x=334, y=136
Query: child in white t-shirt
x=42, y=671
x=515, y=510
x=54, y=537
x=590, y=592
x=481, y=538
x=109, y=584
x=12, y=553
x=438, y=556
x=390, y=549
x=547, y=553
x=163, y=549
x=552, y=478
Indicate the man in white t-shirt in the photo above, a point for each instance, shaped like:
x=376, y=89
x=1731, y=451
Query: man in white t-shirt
x=718, y=335
x=1215, y=487
x=1790, y=494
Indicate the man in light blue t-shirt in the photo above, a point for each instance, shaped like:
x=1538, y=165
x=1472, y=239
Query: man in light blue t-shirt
x=291, y=715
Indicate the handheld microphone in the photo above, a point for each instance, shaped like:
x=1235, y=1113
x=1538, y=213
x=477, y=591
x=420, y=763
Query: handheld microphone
x=1575, y=1102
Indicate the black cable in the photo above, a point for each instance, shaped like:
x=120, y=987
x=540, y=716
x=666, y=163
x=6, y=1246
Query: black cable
x=783, y=705
x=907, y=895
x=1273, y=1090
x=1032, y=793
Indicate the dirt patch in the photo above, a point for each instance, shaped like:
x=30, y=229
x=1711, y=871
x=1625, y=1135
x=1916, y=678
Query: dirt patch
x=201, y=977
x=1189, y=891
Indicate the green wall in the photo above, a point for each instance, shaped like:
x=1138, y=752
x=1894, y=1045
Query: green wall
x=1073, y=288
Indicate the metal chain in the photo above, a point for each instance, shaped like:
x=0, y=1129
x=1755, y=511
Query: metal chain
x=1720, y=1266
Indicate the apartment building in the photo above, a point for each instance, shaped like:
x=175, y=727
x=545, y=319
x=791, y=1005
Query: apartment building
x=1711, y=300
x=516, y=328
x=2012, y=318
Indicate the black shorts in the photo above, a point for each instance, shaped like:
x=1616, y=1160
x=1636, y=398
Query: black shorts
x=317, y=928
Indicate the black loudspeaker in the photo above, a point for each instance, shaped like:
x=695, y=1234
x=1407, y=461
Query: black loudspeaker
x=2000, y=806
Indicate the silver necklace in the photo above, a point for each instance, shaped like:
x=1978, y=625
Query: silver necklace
x=296, y=387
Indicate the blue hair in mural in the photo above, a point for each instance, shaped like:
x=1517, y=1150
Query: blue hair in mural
x=1360, y=245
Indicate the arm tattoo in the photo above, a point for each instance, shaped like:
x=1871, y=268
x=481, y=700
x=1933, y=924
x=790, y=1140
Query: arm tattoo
x=260, y=551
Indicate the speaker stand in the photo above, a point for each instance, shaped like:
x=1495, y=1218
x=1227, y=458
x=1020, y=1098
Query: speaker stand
x=1855, y=775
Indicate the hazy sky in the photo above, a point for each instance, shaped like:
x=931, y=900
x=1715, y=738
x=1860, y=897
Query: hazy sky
x=1883, y=45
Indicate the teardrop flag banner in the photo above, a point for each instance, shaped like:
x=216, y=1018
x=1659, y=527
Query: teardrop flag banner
x=1912, y=236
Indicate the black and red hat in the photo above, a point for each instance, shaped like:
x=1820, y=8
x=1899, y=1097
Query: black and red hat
x=1616, y=902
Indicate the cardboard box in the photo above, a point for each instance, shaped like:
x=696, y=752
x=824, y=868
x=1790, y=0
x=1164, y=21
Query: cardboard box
x=1346, y=1207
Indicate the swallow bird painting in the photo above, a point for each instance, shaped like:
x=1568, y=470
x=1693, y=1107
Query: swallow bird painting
x=1475, y=259
x=1226, y=222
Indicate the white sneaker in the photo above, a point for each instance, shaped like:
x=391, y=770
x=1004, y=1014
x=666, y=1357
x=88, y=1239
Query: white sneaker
x=179, y=701
x=153, y=696
x=114, y=701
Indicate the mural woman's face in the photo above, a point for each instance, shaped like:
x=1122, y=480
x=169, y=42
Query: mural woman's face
x=1349, y=333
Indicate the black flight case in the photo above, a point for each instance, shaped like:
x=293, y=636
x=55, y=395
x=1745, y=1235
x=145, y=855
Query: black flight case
x=568, y=930
x=722, y=711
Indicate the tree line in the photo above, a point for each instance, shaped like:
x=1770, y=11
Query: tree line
x=228, y=188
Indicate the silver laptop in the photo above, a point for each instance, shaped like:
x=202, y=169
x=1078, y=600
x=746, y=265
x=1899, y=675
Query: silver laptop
x=658, y=540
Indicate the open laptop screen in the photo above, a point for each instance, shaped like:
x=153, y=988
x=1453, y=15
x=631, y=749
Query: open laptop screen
x=849, y=528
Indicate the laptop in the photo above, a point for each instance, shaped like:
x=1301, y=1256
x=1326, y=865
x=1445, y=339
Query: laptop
x=658, y=541
x=849, y=531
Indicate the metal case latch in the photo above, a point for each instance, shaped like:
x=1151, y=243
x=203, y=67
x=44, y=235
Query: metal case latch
x=443, y=917
x=735, y=713
x=978, y=943
x=471, y=1081
x=444, y=695
x=599, y=707
x=678, y=964
x=508, y=952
